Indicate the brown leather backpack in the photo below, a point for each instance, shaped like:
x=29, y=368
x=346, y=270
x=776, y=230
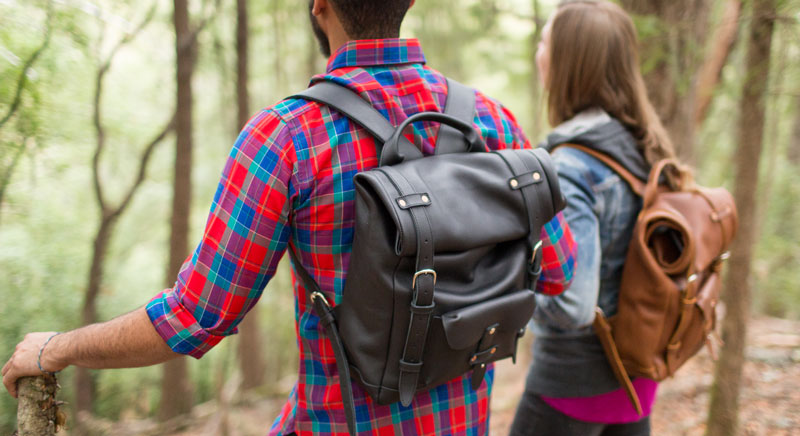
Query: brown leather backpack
x=671, y=279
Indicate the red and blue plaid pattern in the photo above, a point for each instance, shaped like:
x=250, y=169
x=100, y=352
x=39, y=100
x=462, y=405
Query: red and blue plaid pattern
x=289, y=180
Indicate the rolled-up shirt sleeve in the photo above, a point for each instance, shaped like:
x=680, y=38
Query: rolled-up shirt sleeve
x=245, y=236
x=559, y=253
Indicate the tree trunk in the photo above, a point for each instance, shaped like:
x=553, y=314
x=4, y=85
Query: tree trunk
x=277, y=45
x=250, y=349
x=793, y=154
x=85, y=386
x=242, y=62
x=671, y=83
x=37, y=411
x=176, y=391
x=773, y=115
x=84, y=381
x=724, y=407
x=536, y=88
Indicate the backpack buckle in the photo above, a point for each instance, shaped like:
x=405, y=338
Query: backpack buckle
x=315, y=295
x=536, y=249
x=422, y=272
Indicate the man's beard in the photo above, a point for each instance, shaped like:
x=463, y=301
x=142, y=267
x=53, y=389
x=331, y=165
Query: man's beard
x=322, y=39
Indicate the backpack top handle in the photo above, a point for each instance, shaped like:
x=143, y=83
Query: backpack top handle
x=390, y=149
x=651, y=189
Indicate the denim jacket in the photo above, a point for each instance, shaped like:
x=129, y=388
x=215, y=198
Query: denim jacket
x=601, y=211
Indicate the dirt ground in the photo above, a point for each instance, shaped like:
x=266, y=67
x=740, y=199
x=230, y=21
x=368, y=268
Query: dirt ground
x=770, y=401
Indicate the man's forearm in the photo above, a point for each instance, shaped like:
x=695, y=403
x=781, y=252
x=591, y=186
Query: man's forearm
x=124, y=342
x=127, y=341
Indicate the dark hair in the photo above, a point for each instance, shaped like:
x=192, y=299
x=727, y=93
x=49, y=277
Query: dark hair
x=371, y=19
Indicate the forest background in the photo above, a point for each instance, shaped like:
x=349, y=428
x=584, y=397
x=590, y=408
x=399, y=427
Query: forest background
x=88, y=128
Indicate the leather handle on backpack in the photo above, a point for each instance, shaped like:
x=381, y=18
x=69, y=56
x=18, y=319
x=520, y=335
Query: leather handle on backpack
x=651, y=189
x=603, y=330
x=391, y=152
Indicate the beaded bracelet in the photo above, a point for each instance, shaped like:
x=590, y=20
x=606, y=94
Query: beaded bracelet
x=41, y=350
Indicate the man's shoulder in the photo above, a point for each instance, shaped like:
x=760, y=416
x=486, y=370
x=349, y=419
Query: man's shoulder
x=291, y=109
x=285, y=119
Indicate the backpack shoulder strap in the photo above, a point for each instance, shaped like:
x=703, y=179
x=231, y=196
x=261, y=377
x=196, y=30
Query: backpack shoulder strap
x=327, y=319
x=637, y=185
x=460, y=104
x=356, y=109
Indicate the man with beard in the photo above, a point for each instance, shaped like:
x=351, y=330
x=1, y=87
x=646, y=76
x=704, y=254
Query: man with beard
x=288, y=180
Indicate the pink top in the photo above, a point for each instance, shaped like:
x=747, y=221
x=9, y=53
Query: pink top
x=609, y=408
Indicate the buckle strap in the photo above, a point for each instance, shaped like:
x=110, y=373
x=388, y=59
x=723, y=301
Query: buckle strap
x=485, y=353
x=411, y=363
x=422, y=290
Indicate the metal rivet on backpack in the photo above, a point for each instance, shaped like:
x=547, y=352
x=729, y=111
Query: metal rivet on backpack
x=401, y=202
x=425, y=199
x=491, y=332
x=537, y=176
x=514, y=183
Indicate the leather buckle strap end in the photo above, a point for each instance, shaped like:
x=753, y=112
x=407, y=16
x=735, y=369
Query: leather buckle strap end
x=603, y=330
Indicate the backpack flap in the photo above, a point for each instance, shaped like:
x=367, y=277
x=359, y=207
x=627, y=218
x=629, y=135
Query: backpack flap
x=465, y=327
x=441, y=184
x=489, y=330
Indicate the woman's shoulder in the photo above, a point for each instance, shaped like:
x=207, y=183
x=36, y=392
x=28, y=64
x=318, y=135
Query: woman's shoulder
x=578, y=165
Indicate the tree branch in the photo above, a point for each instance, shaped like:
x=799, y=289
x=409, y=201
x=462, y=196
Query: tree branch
x=6, y=178
x=102, y=70
x=191, y=39
x=711, y=71
x=23, y=76
x=143, y=163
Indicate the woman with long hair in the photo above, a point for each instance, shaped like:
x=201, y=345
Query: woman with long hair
x=596, y=97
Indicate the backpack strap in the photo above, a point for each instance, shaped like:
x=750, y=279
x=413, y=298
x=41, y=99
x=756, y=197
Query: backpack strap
x=636, y=185
x=460, y=104
x=361, y=112
x=327, y=319
x=602, y=328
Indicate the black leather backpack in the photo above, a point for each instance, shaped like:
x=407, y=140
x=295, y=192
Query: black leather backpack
x=445, y=257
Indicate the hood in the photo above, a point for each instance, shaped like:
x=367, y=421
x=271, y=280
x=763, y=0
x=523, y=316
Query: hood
x=596, y=129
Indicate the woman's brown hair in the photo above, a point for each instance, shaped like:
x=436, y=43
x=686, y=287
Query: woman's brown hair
x=594, y=62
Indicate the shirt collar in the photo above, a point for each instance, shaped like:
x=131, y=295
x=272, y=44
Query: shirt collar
x=374, y=52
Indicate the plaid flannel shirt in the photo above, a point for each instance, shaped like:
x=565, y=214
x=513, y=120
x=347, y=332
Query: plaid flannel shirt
x=289, y=180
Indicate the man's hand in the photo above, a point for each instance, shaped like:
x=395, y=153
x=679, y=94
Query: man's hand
x=126, y=341
x=23, y=362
